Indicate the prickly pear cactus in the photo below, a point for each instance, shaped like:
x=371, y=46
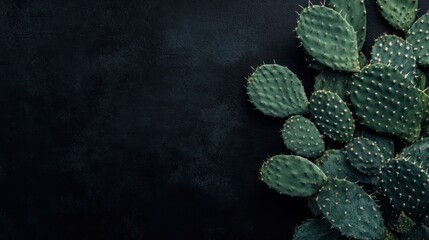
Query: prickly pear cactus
x=358, y=149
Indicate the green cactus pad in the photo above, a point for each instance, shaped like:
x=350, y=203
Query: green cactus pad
x=276, y=91
x=316, y=229
x=399, y=13
x=312, y=205
x=403, y=224
x=364, y=155
x=292, y=175
x=420, y=79
x=313, y=63
x=331, y=115
x=417, y=152
x=395, y=51
x=350, y=210
x=383, y=100
x=354, y=12
x=328, y=38
x=419, y=232
x=333, y=81
x=362, y=60
x=335, y=165
x=425, y=105
x=301, y=136
x=417, y=35
x=406, y=184
x=385, y=144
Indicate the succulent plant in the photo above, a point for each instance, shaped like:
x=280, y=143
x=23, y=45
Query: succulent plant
x=358, y=147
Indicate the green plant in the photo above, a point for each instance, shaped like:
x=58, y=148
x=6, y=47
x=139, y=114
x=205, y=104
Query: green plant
x=358, y=146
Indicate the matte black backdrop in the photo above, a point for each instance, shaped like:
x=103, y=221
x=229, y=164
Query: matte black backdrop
x=129, y=119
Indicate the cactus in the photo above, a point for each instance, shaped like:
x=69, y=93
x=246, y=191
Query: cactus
x=420, y=79
x=292, y=175
x=406, y=183
x=395, y=51
x=363, y=125
x=301, y=136
x=418, y=37
x=331, y=115
x=400, y=13
x=354, y=12
x=386, y=145
x=276, y=91
x=316, y=229
x=364, y=155
x=333, y=81
x=351, y=210
x=384, y=101
x=334, y=164
x=315, y=29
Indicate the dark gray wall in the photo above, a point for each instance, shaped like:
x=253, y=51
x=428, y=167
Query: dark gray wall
x=129, y=119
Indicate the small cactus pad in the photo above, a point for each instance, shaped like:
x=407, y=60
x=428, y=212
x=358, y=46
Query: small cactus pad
x=418, y=232
x=385, y=144
x=276, y=91
x=350, y=210
x=314, y=64
x=418, y=36
x=417, y=152
x=362, y=60
x=406, y=185
x=328, y=38
x=364, y=155
x=403, y=224
x=383, y=100
x=425, y=105
x=395, y=51
x=354, y=12
x=420, y=79
x=333, y=81
x=399, y=13
x=292, y=175
x=316, y=229
x=312, y=205
x=335, y=165
x=301, y=136
x=331, y=115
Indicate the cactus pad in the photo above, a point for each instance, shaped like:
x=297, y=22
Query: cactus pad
x=364, y=155
x=420, y=79
x=383, y=100
x=335, y=165
x=385, y=144
x=417, y=35
x=351, y=210
x=331, y=115
x=406, y=184
x=276, y=91
x=354, y=12
x=316, y=229
x=395, y=51
x=418, y=232
x=301, y=136
x=328, y=38
x=336, y=82
x=362, y=60
x=292, y=175
x=418, y=152
x=400, y=13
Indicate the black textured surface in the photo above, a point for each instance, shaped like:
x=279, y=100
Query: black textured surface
x=129, y=119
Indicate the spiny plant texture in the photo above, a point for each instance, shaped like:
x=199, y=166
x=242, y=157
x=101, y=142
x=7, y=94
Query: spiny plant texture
x=358, y=147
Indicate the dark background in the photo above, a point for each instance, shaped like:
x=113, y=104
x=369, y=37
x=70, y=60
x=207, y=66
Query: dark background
x=129, y=119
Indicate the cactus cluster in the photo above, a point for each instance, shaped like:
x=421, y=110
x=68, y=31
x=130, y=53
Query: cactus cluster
x=358, y=147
